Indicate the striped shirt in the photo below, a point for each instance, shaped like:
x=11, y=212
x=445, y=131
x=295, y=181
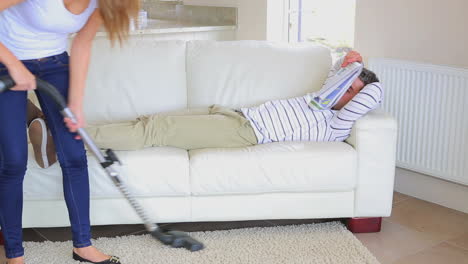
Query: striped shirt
x=293, y=119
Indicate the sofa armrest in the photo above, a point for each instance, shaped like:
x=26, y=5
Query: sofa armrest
x=374, y=137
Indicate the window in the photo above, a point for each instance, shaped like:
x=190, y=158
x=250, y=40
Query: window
x=330, y=23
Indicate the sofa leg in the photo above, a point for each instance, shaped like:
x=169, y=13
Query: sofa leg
x=2, y=241
x=364, y=225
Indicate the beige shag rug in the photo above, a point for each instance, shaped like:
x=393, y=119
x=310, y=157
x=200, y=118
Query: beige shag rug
x=329, y=243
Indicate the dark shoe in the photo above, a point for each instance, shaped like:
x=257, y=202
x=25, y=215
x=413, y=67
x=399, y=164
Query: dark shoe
x=42, y=142
x=112, y=260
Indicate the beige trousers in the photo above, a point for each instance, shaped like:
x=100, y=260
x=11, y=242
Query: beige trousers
x=216, y=127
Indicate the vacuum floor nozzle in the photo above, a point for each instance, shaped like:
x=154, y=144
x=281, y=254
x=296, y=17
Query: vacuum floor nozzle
x=177, y=239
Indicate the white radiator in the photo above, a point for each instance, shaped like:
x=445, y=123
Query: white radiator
x=431, y=105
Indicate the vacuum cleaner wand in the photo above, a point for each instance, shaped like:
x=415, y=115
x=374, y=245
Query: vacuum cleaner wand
x=172, y=238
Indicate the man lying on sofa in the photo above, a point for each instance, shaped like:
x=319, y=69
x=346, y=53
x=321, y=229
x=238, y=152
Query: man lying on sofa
x=292, y=119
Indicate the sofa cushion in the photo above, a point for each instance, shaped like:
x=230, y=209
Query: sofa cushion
x=141, y=77
x=275, y=167
x=245, y=73
x=149, y=172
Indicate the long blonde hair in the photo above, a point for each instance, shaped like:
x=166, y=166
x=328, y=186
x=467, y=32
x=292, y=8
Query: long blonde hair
x=116, y=15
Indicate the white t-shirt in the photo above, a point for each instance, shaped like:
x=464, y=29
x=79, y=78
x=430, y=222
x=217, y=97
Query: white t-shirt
x=36, y=29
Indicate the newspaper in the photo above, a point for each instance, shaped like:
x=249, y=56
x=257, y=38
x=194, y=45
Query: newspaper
x=335, y=86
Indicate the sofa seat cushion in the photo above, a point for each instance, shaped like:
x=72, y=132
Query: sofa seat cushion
x=275, y=167
x=162, y=172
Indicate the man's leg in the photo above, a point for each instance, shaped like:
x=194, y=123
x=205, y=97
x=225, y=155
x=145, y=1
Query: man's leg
x=33, y=112
x=220, y=127
x=122, y=136
x=40, y=137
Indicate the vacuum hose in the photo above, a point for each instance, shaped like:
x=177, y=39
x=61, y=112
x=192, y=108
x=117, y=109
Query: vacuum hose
x=6, y=83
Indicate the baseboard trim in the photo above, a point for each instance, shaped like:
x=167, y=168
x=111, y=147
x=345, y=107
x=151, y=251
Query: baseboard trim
x=431, y=189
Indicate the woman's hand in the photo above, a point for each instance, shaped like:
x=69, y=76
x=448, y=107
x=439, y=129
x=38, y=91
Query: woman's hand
x=23, y=78
x=352, y=56
x=80, y=122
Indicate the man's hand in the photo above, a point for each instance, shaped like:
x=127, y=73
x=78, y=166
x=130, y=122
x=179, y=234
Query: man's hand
x=352, y=56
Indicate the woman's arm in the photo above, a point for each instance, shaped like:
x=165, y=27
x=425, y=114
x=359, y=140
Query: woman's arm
x=6, y=57
x=23, y=78
x=79, y=62
x=4, y=4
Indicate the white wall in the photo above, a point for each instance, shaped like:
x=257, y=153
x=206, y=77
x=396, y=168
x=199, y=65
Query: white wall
x=251, y=16
x=261, y=20
x=432, y=189
x=429, y=31
x=277, y=20
x=230, y=3
x=252, y=19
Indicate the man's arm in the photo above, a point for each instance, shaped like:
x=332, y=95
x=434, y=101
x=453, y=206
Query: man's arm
x=337, y=82
x=350, y=57
x=366, y=100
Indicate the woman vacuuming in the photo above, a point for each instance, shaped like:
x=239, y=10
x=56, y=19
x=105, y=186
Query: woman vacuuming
x=33, y=40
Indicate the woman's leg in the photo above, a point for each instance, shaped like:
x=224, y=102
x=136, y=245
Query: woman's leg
x=71, y=155
x=13, y=161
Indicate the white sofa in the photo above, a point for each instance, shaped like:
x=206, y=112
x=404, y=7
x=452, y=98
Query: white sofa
x=292, y=180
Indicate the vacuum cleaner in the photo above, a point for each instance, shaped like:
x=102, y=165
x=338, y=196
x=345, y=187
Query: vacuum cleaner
x=174, y=239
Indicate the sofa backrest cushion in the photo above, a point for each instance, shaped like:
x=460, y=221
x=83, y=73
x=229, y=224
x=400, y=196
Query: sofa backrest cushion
x=245, y=73
x=141, y=77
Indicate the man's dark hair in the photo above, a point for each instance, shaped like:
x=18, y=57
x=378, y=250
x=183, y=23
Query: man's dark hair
x=368, y=76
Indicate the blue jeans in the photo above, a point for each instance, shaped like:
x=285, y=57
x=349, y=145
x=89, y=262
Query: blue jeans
x=14, y=153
